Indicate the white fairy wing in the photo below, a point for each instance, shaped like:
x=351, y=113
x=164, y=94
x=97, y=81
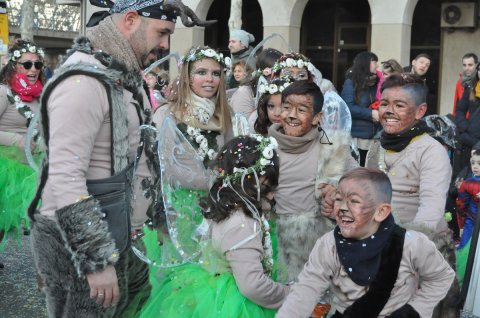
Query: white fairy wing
x=185, y=180
x=336, y=115
x=241, y=127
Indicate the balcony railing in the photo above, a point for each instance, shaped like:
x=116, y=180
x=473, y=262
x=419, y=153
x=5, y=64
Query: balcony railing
x=62, y=18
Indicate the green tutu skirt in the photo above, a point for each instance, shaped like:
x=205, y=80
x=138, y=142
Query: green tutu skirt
x=190, y=291
x=18, y=183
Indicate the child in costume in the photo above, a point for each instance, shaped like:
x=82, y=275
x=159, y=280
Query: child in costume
x=233, y=276
x=467, y=203
x=373, y=267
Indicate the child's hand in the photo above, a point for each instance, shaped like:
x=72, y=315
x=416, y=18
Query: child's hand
x=328, y=199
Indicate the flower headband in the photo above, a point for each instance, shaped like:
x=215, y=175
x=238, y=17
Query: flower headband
x=266, y=147
x=26, y=48
x=275, y=86
x=196, y=54
x=293, y=62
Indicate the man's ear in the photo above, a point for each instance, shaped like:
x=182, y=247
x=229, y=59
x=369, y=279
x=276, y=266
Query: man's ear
x=316, y=119
x=382, y=211
x=421, y=110
x=131, y=19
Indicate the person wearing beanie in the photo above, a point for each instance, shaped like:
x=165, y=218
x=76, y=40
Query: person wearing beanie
x=240, y=49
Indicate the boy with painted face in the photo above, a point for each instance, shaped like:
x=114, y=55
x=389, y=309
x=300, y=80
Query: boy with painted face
x=373, y=266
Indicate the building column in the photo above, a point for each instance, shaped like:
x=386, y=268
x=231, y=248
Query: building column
x=392, y=28
x=285, y=18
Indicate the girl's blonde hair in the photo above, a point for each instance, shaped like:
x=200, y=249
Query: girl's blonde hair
x=181, y=99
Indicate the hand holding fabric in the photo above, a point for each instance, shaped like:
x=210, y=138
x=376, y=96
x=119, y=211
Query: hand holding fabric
x=406, y=311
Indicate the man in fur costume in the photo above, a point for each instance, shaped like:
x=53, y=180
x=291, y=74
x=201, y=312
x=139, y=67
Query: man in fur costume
x=372, y=265
x=310, y=164
x=97, y=168
x=418, y=167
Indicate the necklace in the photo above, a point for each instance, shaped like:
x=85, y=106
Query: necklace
x=21, y=107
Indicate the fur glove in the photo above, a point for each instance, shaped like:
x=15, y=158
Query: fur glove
x=86, y=236
x=406, y=311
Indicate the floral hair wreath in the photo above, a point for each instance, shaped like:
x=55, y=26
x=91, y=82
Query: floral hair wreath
x=28, y=48
x=275, y=86
x=266, y=147
x=197, y=54
x=293, y=62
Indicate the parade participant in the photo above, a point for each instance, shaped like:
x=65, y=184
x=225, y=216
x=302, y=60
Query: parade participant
x=200, y=101
x=270, y=104
x=311, y=162
x=95, y=186
x=21, y=83
x=406, y=152
x=299, y=67
x=373, y=266
x=233, y=276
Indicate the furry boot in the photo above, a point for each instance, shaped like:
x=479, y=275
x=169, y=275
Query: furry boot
x=297, y=235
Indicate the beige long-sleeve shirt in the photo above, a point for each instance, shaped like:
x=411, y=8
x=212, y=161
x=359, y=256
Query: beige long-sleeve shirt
x=13, y=126
x=323, y=270
x=245, y=259
x=80, y=140
x=420, y=176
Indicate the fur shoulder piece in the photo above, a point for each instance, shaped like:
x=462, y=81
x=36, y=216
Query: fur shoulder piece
x=86, y=236
x=111, y=80
x=81, y=44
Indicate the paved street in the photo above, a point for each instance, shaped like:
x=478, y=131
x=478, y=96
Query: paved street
x=19, y=296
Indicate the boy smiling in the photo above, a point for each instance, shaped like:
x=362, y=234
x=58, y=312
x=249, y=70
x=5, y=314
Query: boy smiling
x=373, y=266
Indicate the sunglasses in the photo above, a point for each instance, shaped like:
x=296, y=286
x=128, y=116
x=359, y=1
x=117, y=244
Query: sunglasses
x=28, y=65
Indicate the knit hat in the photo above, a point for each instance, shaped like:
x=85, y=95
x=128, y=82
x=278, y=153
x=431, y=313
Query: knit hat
x=243, y=36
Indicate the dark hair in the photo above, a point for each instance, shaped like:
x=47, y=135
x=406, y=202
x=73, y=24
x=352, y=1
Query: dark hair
x=267, y=58
x=425, y=55
x=8, y=70
x=305, y=87
x=264, y=59
x=239, y=152
x=374, y=57
x=476, y=152
x=471, y=55
x=381, y=185
x=410, y=82
x=263, y=122
x=360, y=72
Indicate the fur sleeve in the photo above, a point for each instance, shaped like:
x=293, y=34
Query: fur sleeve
x=86, y=236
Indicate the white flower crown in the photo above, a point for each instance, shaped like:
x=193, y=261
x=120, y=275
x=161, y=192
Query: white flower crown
x=196, y=54
x=266, y=147
x=272, y=87
x=27, y=49
x=290, y=62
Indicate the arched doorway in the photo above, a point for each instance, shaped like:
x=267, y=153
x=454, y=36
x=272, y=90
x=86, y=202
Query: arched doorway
x=426, y=38
x=217, y=35
x=332, y=33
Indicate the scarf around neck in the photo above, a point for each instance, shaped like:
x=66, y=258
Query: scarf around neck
x=465, y=79
x=294, y=145
x=106, y=37
x=361, y=258
x=202, y=113
x=22, y=87
x=398, y=142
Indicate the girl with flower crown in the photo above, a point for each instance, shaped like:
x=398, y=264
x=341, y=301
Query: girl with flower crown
x=192, y=128
x=269, y=104
x=21, y=83
x=232, y=278
x=299, y=67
